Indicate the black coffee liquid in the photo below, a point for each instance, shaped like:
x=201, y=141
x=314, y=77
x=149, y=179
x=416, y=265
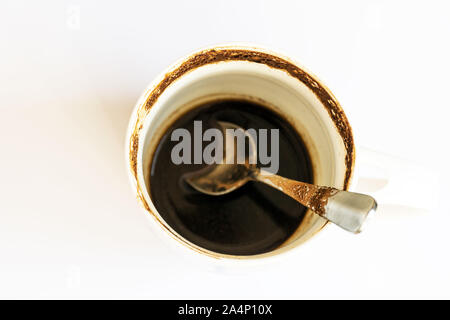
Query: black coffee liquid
x=250, y=220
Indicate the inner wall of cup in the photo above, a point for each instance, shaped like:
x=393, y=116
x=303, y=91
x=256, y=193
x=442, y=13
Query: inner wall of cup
x=275, y=89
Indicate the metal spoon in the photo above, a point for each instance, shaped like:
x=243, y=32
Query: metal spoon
x=346, y=209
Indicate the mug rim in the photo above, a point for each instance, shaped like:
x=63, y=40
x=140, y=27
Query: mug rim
x=229, y=53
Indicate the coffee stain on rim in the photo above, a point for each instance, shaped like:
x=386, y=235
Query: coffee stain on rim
x=216, y=55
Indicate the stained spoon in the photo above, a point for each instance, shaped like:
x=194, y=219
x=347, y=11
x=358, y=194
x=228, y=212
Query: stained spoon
x=348, y=210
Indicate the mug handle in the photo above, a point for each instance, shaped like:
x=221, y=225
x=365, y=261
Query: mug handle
x=394, y=181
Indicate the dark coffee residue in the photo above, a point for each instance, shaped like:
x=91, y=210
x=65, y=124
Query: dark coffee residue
x=251, y=220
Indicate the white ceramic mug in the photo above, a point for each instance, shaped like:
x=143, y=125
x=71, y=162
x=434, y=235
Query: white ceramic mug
x=251, y=73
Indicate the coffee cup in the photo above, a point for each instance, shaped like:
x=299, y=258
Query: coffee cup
x=251, y=73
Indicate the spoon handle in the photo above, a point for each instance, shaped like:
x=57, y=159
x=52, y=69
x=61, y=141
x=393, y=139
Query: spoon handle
x=346, y=209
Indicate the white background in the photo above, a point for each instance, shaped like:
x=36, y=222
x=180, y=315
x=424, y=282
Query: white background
x=70, y=226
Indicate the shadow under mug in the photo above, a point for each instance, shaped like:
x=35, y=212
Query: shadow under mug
x=250, y=73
